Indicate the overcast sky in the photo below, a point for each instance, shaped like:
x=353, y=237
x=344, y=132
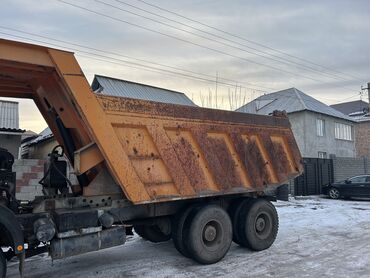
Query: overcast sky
x=332, y=35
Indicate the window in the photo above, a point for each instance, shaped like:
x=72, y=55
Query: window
x=320, y=127
x=358, y=179
x=322, y=155
x=343, y=131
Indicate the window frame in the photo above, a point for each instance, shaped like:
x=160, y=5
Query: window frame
x=358, y=177
x=320, y=127
x=343, y=131
x=325, y=155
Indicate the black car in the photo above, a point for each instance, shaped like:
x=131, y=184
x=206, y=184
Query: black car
x=358, y=186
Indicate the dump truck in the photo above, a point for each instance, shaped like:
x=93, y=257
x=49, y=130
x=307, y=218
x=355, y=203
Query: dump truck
x=199, y=177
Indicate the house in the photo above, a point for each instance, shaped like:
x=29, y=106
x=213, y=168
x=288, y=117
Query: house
x=351, y=107
x=10, y=133
x=320, y=130
x=39, y=146
x=358, y=111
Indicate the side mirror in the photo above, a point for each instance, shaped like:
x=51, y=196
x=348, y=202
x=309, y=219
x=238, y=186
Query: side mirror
x=347, y=181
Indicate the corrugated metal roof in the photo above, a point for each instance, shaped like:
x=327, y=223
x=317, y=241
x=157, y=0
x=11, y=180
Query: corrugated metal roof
x=351, y=106
x=9, y=117
x=291, y=100
x=122, y=88
x=43, y=135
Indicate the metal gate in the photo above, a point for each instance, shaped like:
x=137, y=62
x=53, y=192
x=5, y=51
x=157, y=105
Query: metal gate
x=317, y=173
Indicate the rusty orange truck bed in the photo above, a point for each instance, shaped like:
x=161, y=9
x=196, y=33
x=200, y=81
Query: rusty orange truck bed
x=148, y=152
x=154, y=151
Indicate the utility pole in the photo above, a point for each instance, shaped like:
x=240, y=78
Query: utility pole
x=368, y=94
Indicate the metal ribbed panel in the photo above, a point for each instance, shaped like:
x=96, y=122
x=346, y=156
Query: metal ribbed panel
x=9, y=114
x=43, y=135
x=122, y=88
x=290, y=100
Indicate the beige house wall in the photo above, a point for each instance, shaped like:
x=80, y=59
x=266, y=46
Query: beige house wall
x=42, y=149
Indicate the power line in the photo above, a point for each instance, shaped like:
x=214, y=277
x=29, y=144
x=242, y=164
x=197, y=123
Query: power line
x=137, y=59
x=246, y=40
x=119, y=62
x=264, y=54
x=144, y=67
x=356, y=95
x=190, y=42
x=132, y=64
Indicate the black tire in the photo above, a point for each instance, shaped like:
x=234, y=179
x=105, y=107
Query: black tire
x=209, y=234
x=179, y=221
x=152, y=233
x=140, y=230
x=334, y=193
x=2, y=264
x=234, y=211
x=258, y=224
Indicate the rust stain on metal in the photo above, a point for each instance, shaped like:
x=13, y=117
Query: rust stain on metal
x=154, y=151
x=192, y=160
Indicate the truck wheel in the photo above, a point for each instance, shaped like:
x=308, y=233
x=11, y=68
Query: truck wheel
x=152, y=233
x=140, y=230
x=179, y=222
x=258, y=224
x=209, y=234
x=2, y=264
x=234, y=211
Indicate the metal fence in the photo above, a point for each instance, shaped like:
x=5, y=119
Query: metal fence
x=317, y=173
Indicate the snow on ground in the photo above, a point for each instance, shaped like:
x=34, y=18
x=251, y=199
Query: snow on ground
x=317, y=238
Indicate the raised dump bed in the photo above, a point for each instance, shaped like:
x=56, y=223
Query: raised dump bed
x=155, y=151
x=146, y=153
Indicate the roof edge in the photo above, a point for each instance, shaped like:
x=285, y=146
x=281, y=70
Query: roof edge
x=312, y=111
x=9, y=101
x=137, y=83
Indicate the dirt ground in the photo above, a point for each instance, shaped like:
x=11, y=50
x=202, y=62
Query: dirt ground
x=317, y=238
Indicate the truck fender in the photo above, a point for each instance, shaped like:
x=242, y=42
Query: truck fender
x=9, y=221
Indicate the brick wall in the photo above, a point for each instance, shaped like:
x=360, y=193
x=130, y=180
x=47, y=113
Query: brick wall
x=345, y=167
x=362, y=135
x=28, y=174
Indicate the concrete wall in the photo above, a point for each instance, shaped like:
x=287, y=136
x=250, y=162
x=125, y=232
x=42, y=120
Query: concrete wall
x=345, y=167
x=297, y=121
x=362, y=135
x=11, y=142
x=42, y=149
x=304, y=129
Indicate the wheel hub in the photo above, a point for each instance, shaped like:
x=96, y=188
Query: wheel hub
x=260, y=224
x=263, y=225
x=334, y=193
x=210, y=233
